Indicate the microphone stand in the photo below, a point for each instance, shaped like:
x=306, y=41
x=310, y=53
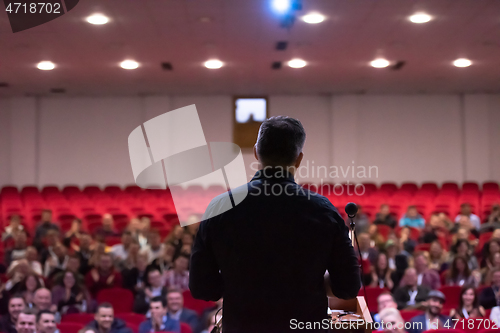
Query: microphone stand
x=354, y=239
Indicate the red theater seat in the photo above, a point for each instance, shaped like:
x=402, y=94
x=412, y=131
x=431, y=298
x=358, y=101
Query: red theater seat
x=185, y=328
x=452, y=294
x=80, y=318
x=409, y=314
x=195, y=304
x=371, y=296
x=69, y=327
x=132, y=318
x=445, y=330
x=121, y=299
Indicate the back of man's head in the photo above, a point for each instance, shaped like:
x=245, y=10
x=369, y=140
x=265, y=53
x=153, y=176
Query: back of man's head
x=280, y=141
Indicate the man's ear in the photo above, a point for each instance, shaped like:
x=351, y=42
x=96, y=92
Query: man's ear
x=299, y=160
x=255, y=152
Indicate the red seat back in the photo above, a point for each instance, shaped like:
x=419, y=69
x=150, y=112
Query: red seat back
x=195, y=304
x=69, y=327
x=121, y=299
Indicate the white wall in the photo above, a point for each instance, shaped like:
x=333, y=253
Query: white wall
x=83, y=140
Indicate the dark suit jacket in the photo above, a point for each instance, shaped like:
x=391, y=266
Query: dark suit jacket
x=6, y=324
x=487, y=298
x=267, y=256
x=402, y=296
x=418, y=324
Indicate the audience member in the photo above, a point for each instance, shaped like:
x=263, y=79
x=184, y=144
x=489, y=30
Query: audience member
x=459, y=273
x=159, y=320
x=154, y=249
x=393, y=322
x=466, y=210
x=120, y=251
x=165, y=261
x=27, y=288
x=495, y=315
x=85, y=252
x=51, y=239
x=42, y=300
x=384, y=301
x=469, y=304
x=381, y=273
x=105, y=321
x=406, y=241
x=367, y=251
x=437, y=257
x=31, y=258
x=154, y=288
x=175, y=238
x=134, y=279
x=426, y=276
x=486, y=272
x=176, y=310
x=178, y=276
x=13, y=228
x=432, y=318
x=411, y=295
x=73, y=234
x=57, y=261
x=8, y=320
x=463, y=248
x=490, y=296
x=45, y=322
x=26, y=321
x=131, y=260
x=108, y=227
x=44, y=226
x=489, y=249
x=19, y=250
x=103, y=276
x=412, y=219
x=465, y=223
x=69, y=295
x=384, y=217
x=493, y=222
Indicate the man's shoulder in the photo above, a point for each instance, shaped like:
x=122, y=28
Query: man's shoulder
x=418, y=318
x=188, y=313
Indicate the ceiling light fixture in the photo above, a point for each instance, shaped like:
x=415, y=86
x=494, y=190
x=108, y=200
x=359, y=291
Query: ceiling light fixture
x=420, y=18
x=97, y=19
x=213, y=64
x=129, y=64
x=313, y=18
x=380, y=63
x=297, y=63
x=46, y=65
x=462, y=62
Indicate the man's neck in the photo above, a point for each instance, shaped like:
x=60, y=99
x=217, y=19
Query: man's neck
x=431, y=316
x=174, y=313
x=103, y=330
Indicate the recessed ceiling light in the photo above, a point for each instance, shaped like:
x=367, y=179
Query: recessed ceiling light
x=313, y=18
x=97, y=19
x=213, y=64
x=380, y=63
x=462, y=62
x=420, y=18
x=46, y=65
x=129, y=64
x=297, y=63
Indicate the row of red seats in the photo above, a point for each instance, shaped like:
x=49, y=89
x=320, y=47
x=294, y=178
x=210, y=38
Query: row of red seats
x=91, y=202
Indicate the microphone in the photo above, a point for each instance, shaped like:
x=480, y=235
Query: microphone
x=351, y=209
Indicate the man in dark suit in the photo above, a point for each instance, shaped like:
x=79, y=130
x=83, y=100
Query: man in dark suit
x=268, y=255
x=410, y=295
x=490, y=296
x=432, y=318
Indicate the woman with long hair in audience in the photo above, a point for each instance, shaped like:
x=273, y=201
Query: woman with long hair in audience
x=463, y=248
x=459, y=273
x=489, y=249
x=437, y=257
x=27, y=288
x=70, y=296
x=468, y=305
x=381, y=273
x=491, y=263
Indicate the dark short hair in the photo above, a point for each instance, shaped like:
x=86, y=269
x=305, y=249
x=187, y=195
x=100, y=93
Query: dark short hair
x=40, y=313
x=387, y=293
x=280, y=141
x=29, y=312
x=159, y=299
x=17, y=296
x=104, y=305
